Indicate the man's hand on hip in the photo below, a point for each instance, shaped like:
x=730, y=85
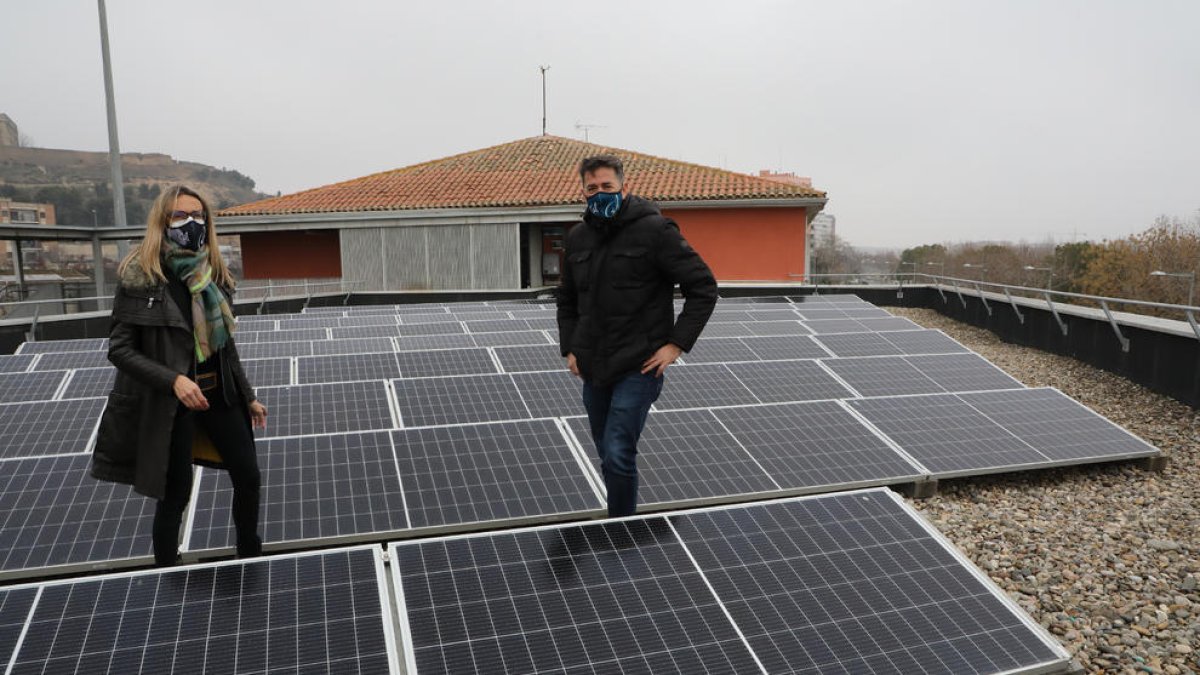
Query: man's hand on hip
x=572, y=365
x=662, y=358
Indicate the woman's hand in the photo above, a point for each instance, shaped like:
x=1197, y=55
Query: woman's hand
x=188, y=393
x=258, y=415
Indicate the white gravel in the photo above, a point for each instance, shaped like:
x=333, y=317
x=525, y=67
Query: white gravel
x=1106, y=557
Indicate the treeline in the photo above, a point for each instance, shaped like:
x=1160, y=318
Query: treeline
x=77, y=205
x=1114, y=268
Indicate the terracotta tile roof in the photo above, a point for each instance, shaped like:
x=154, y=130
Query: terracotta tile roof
x=538, y=171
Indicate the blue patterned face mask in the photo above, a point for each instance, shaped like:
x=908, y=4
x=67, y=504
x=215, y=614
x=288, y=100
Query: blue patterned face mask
x=604, y=204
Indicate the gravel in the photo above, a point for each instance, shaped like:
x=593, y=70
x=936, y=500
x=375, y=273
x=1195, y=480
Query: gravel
x=1107, y=557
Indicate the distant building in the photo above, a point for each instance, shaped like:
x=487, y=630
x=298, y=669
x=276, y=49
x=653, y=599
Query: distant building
x=786, y=178
x=25, y=213
x=9, y=135
x=823, y=229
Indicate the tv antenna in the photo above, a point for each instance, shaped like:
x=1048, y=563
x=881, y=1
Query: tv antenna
x=587, y=127
x=544, y=69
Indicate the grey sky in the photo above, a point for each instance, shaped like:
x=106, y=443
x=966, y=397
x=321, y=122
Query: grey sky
x=926, y=121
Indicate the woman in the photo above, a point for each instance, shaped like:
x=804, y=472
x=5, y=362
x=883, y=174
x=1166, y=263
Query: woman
x=180, y=386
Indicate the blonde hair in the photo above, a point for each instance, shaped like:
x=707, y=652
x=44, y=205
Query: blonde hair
x=148, y=254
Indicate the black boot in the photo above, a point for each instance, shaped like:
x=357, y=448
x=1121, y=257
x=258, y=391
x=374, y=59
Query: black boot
x=622, y=494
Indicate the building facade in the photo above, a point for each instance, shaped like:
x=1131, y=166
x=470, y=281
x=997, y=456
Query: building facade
x=9, y=134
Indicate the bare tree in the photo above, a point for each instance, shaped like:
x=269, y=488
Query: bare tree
x=24, y=140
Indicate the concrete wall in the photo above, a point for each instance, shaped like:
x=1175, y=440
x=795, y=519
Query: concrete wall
x=432, y=257
x=747, y=244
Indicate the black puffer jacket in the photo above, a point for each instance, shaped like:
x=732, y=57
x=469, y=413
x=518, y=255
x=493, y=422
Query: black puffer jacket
x=615, y=304
x=150, y=343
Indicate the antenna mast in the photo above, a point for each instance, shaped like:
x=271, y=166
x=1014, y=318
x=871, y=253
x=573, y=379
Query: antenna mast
x=544, y=69
x=587, y=127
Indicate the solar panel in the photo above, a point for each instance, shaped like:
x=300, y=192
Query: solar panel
x=256, y=325
x=490, y=472
x=550, y=394
x=352, y=346
x=511, y=338
x=478, y=315
x=58, y=516
x=346, y=368
x=816, y=313
x=302, y=410
x=866, y=312
x=439, y=328
x=417, y=319
x=782, y=381
x=766, y=328
x=686, y=455
x=723, y=316
x=267, y=372
x=859, y=344
x=530, y=358
x=963, y=372
x=299, y=335
x=701, y=387
x=363, y=320
x=14, y=613
x=815, y=445
x=883, y=376
x=947, y=435
x=440, y=363
x=420, y=309
x=364, y=332
x=270, y=350
x=497, y=325
x=1057, y=426
x=724, y=330
x=773, y=315
x=719, y=350
x=833, y=326
x=310, y=322
x=70, y=360
x=59, y=346
x=48, y=427
x=923, y=342
x=611, y=597
x=313, y=487
x=36, y=386
x=423, y=342
x=545, y=313
x=90, y=383
x=785, y=347
x=303, y=613
x=15, y=363
x=458, y=400
x=890, y=323
x=543, y=323
x=859, y=583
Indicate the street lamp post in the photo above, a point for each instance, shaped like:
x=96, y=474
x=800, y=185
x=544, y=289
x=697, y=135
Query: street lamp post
x=1190, y=276
x=974, y=266
x=1050, y=270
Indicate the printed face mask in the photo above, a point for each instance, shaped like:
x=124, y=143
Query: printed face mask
x=189, y=233
x=604, y=204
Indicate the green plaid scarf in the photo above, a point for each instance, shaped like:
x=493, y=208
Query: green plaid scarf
x=212, y=319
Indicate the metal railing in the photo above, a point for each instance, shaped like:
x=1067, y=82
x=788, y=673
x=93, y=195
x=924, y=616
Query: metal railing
x=1046, y=295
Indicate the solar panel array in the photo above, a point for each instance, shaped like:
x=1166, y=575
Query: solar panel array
x=403, y=420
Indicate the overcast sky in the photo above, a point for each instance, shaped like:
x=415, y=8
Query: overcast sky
x=926, y=121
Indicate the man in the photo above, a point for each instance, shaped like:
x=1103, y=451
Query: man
x=616, y=315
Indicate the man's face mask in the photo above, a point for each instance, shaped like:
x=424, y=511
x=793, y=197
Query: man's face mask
x=188, y=229
x=604, y=204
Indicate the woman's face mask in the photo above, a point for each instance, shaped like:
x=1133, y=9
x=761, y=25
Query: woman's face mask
x=188, y=229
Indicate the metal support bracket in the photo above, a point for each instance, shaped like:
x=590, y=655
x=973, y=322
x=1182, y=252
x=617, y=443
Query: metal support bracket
x=960, y=297
x=1116, y=329
x=1016, y=310
x=1053, y=310
x=939, y=290
x=31, y=336
x=983, y=300
x=1195, y=326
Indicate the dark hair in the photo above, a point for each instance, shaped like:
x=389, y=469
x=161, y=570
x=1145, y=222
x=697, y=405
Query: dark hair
x=590, y=164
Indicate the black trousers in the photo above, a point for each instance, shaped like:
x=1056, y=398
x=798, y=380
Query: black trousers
x=226, y=427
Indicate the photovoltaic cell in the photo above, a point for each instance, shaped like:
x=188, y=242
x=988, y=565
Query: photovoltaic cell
x=15, y=363
x=822, y=312
x=490, y=472
x=701, y=387
x=385, y=331
x=69, y=360
x=309, y=322
x=765, y=328
x=307, y=613
x=313, y=487
x=81, y=345
x=551, y=394
x=422, y=342
x=888, y=324
x=36, y=386
x=963, y=372
x=859, y=344
x=785, y=347
x=458, y=400
x=14, y=612
x=719, y=350
x=352, y=346
x=268, y=372
x=298, y=335
x=302, y=410
x=530, y=358
x=55, y=514
x=725, y=330
x=686, y=455
x=854, y=583
x=883, y=376
x=818, y=444
x=866, y=313
x=1057, y=426
x=91, y=383
x=613, y=597
x=271, y=350
x=511, y=338
x=783, y=381
x=48, y=427
x=444, y=362
x=497, y=325
x=441, y=327
x=363, y=320
x=923, y=342
x=346, y=368
x=945, y=434
x=834, y=326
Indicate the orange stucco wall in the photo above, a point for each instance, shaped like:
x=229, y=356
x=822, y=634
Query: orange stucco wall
x=292, y=255
x=745, y=244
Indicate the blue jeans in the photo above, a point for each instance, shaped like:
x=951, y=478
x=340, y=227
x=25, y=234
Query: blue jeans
x=617, y=415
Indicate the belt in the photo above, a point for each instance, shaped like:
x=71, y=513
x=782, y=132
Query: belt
x=207, y=381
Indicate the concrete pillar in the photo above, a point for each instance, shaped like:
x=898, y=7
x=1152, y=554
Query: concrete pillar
x=535, y=256
x=98, y=267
